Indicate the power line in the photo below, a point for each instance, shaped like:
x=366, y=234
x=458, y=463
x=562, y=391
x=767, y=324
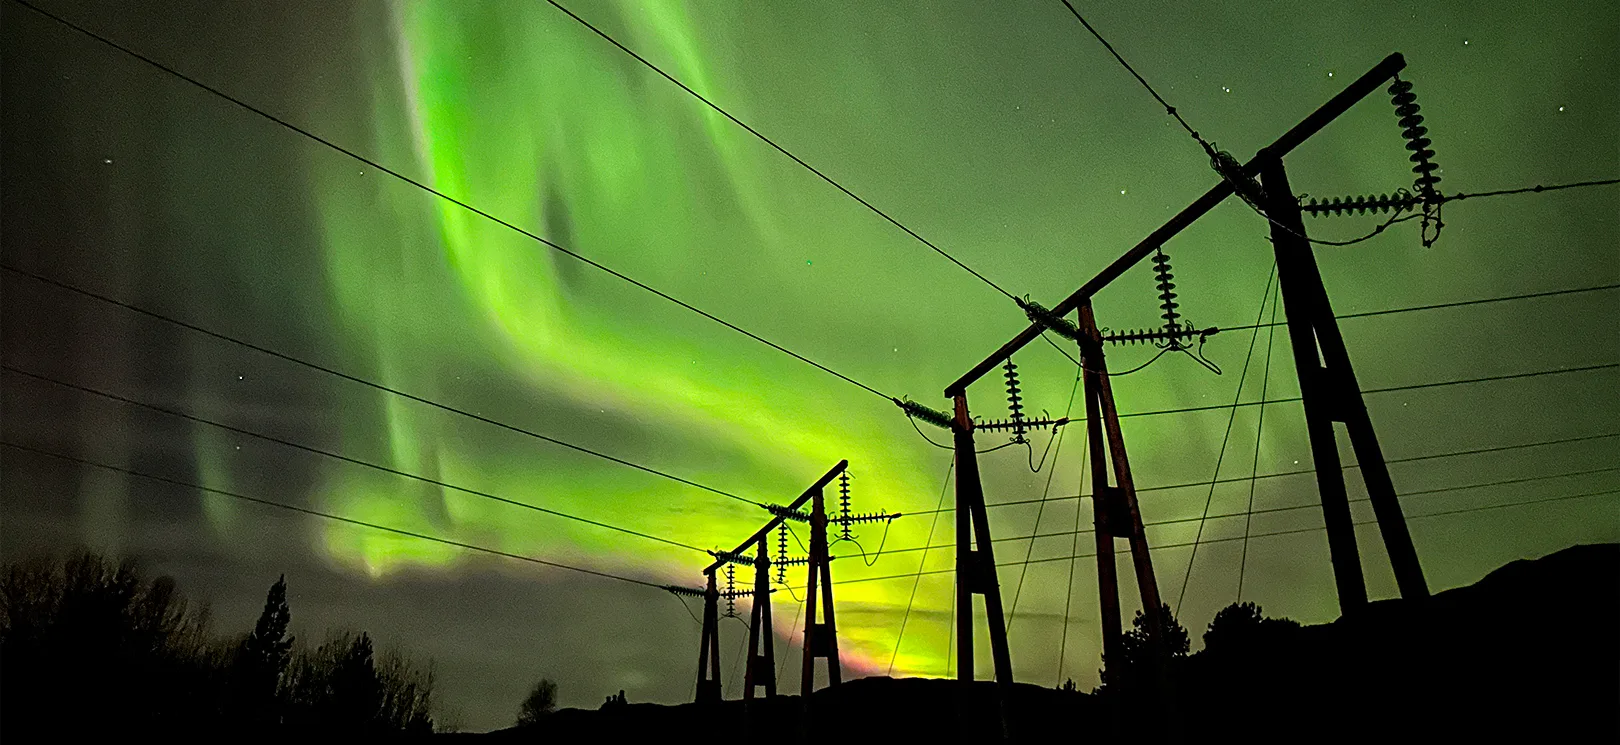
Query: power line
x=330, y=516
x=1168, y=109
x=1231, y=419
x=372, y=384
x=1294, y=508
x=345, y=458
x=1167, y=546
x=1259, y=429
x=762, y=138
x=1370, y=391
x=1537, y=189
x=920, y=564
x=787, y=644
x=1068, y=597
x=1018, y=592
x=1389, y=389
x=1228, y=167
x=1304, y=471
x=1437, y=306
x=440, y=194
x=1429, y=199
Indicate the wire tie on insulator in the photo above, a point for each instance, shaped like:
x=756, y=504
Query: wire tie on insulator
x=1230, y=170
x=923, y=413
x=1053, y=322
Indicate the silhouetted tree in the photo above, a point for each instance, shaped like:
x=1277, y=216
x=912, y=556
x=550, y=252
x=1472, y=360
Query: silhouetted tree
x=1137, y=661
x=89, y=632
x=407, y=694
x=261, y=660
x=1241, y=626
x=343, y=687
x=1176, y=641
x=542, y=700
x=88, y=647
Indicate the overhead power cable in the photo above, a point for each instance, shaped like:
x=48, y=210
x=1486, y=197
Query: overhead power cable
x=762, y=138
x=1289, y=508
x=373, y=384
x=1317, y=529
x=1537, y=189
x=442, y=195
x=1304, y=471
x=1168, y=109
x=1231, y=419
x=1365, y=392
x=1388, y=389
x=339, y=456
x=1018, y=592
x=330, y=516
x=1437, y=306
x=1259, y=429
x=1227, y=166
x=901, y=636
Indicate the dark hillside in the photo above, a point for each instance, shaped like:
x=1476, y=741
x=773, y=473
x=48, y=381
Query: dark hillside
x=1530, y=651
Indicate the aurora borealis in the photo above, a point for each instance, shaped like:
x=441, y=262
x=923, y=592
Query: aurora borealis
x=1002, y=132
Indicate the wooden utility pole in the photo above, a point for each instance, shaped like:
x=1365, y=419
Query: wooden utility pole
x=761, y=668
x=1326, y=380
x=975, y=566
x=1113, y=505
x=820, y=639
x=1328, y=389
x=708, y=682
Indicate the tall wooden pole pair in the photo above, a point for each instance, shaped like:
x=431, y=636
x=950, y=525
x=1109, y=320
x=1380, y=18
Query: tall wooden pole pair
x=820, y=639
x=1115, y=510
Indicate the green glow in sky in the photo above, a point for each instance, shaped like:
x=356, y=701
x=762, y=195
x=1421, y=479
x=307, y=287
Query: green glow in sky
x=1001, y=131
x=516, y=109
x=531, y=125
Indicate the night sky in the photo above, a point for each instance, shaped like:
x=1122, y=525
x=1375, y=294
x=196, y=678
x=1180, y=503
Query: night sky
x=1003, y=132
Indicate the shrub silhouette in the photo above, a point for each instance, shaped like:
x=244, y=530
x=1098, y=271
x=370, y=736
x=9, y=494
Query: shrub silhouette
x=1240, y=627
x=542, y=700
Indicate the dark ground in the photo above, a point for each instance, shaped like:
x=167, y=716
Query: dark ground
x=1531, y=652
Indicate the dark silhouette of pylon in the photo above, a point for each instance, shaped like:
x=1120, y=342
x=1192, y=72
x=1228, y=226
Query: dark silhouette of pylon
x=761, y=668
x=708, y=682
x=975, y=560
x=1328, y=389
x=1113, y=504
x=820, y=639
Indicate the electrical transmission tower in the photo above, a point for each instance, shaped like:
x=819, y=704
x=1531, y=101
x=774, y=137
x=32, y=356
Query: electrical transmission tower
x=1327, y=383
x=820, y=636
x=708, y=680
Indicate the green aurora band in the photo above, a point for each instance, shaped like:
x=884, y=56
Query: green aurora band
x=543, y=128
x=514, y=108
